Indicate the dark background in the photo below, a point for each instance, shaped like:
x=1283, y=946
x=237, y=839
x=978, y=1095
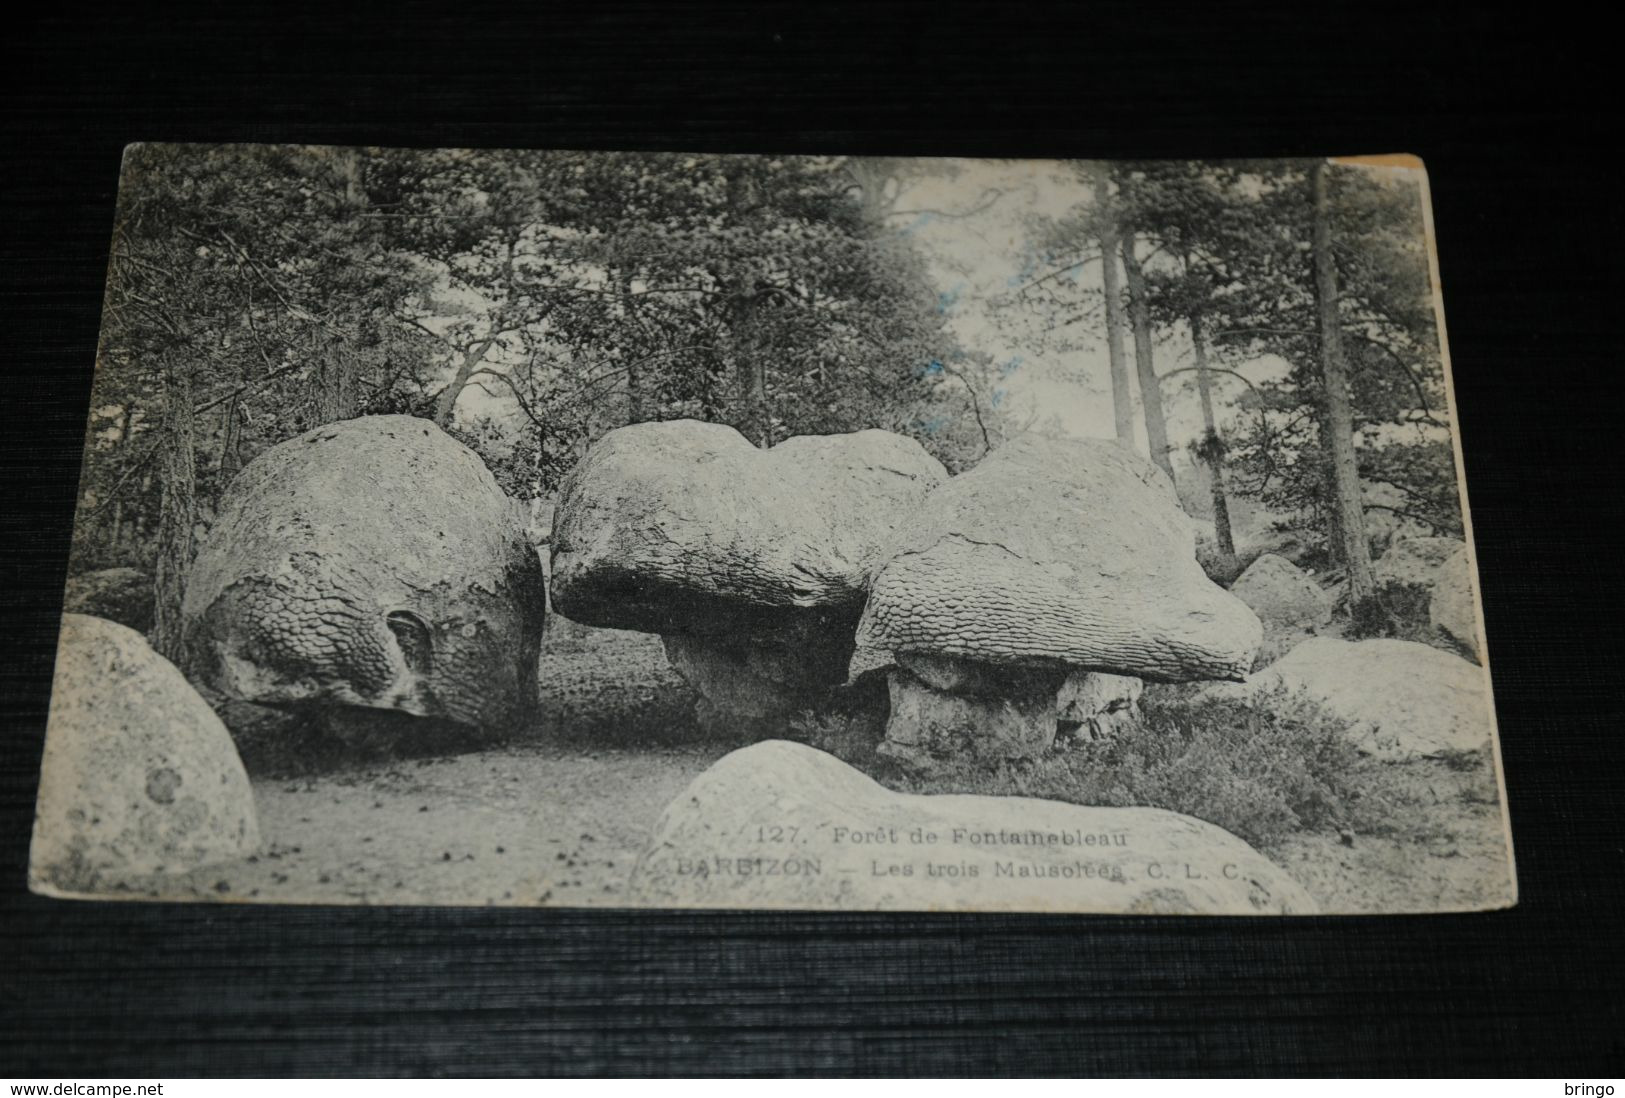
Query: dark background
x=1512, y=113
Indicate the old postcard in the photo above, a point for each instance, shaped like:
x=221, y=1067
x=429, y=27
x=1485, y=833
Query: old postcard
x=821, y=532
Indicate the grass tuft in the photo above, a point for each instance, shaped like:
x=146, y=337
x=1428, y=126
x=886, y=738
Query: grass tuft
x=1265, y=768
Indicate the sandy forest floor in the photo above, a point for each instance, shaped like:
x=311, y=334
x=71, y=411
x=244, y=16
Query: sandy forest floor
x=475, y=829
x=559, y=814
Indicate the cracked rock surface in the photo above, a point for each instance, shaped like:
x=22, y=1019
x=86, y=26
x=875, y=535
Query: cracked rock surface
x=1062, y=553
x=373, y=562
x=139, y=776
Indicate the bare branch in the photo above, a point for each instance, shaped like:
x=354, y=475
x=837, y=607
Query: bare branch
x=986, y=199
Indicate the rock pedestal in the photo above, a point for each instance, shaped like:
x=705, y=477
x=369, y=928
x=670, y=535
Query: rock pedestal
x=757, y=677
x=1093, y=705
x=945, y=709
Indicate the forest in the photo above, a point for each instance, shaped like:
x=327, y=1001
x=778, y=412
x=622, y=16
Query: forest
x=1122, y=488
x=528, y=302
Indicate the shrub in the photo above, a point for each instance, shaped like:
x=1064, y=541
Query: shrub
x=1397, y=610
x=1263, y=768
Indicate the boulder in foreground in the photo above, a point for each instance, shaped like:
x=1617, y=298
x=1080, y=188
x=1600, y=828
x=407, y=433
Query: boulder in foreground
x=782, y=825
x=139, y=775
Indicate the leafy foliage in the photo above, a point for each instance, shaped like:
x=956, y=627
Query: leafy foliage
x=526, y=301
x=1229, y=285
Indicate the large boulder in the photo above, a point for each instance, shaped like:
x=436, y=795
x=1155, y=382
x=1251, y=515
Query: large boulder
x=754, y=564
x=1049, y=557
x=124, y=595
x=370, y=564
x=139, y=776
x=782, y=825
x=1414, y=562
x=1400, y=700
x=1452, y=610
x=1289, y=604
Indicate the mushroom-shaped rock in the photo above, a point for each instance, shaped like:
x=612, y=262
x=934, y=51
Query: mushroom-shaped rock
x=1051, y=556
x=1400, y=700
x=1452, y=610
x=371, y=563
x=124, y=595
x=139, y=776
x=782, y=825
x=1093, y=705
x=753, y=564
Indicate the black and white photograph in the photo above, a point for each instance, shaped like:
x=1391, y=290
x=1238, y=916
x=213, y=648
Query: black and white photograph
x=632, y=529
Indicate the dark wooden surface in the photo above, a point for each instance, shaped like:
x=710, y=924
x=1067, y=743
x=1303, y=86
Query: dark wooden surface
x=1512, y=113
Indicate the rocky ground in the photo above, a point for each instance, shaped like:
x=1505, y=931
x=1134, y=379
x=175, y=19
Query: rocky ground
x=556, y=814
x=1453, y=860
x=559, y=813
x=488, y=828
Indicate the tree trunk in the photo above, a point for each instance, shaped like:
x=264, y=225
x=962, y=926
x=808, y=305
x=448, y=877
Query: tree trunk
x=176, y=512
x=118, y=502
x=1156, y=424
x=1122, y=400
x=751, y=361
x=1338, y=422
x=1212, y=448
x=337, y=380
x=335, y=397
x=446, y=403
